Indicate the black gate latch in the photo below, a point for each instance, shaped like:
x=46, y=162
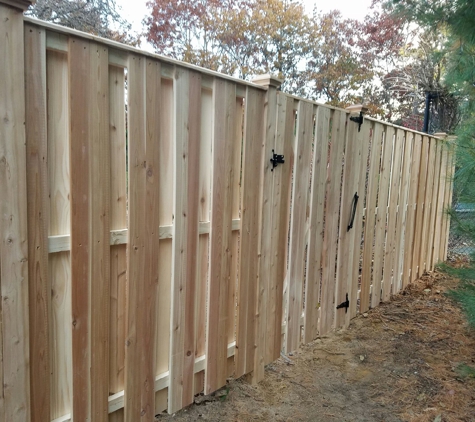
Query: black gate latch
x=276, y=159
x=345, y=304
x=358, y=119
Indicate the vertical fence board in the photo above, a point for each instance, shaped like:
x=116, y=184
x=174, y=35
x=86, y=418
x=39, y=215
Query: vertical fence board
x=380, y=227
x=165, y=212
x=370, y=217
x=390, y=247
x=248, y=255
x=429, y=185
x=416, y=271
x=13, y=223
x=346, y=235
x=59, y=224
x=433, y=210
x=448, y=201
x=99, y=191
x=301, y=183
x=118, y=220
x=363, y=139
x=79, y=77
x=440, y=203
x=403, y=207
x=317, y=211
x=265, y=241
x=220, y=235
x=185, y=238
x=411, y=209
x=38, y=219
x=330, y=237
x=137, y=398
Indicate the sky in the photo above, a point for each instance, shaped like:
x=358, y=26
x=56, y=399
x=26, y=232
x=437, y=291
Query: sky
x=135, y=10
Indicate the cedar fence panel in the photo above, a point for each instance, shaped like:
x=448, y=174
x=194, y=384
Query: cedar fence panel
x=150, y=246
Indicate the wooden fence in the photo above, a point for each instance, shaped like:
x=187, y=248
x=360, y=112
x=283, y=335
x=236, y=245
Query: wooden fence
x=150, y=249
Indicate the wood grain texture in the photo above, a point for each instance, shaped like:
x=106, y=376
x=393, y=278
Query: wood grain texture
x=224, y=104
x=137, y=382
x=316, y=218
x=99, y=226
x=401, y=223
x=429, y=185
x=346, y=236
x=390, y=245
x=38, y=219
x=381, y=218
x=79, y=77
x=185, y=238
x=298, y=225
x=118, y=220
x=280, y=225
x=370, y=217
x=440, y=203
x=15, y=401
x=358, y=243
x=59, y=225
x=415, y=270
x=411, y=209
x=433, y=209
x=248, y=256
x=332, y=220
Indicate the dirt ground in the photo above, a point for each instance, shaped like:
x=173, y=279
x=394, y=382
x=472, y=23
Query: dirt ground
x=403, y=361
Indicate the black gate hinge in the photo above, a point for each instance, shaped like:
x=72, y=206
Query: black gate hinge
x=276, y=159
x=345, y=304
x=358, y=119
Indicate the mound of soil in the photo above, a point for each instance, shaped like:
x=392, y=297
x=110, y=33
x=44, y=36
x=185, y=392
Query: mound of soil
x=408, y=360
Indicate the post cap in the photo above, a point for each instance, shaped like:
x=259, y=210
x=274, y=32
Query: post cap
x=267, y=80
x=18, y=4
x=357, y=108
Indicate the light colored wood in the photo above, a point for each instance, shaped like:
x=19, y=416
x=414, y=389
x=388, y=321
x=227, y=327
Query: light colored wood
x=411, y=209
x=346, y=236
x=440, y=203
x=38, y=219
x=298, y=225
x=99, y=213
x=433, y=209
x=415, y=270
x=80, y=133
x=21, y=5
x=448, y=201
x=185, y=238
x=192, y=234
x=429, y=185
x=59, y=224
x=403, y=206
x=363, y=139
x=165, y=210
x=224, y=104
x=280, y=225
x=370, y=218
x=330, y=236
x=15, y=401
x=316, y=218
x=248, y=256
x=137, y=395
x=381, y=217
x=265, y=243
x=390, y=246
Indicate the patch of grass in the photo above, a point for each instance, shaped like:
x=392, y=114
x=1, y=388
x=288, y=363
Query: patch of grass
x=465, y=371
x=464, y=294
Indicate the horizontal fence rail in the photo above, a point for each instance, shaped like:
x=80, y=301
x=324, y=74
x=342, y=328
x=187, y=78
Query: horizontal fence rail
x=165, y=227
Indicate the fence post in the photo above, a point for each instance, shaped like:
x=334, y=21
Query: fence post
x=265, y=241
x=14, y=350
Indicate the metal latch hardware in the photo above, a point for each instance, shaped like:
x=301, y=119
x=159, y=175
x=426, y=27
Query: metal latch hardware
x=276, y=159
x=358, y=119
x=345, y=304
